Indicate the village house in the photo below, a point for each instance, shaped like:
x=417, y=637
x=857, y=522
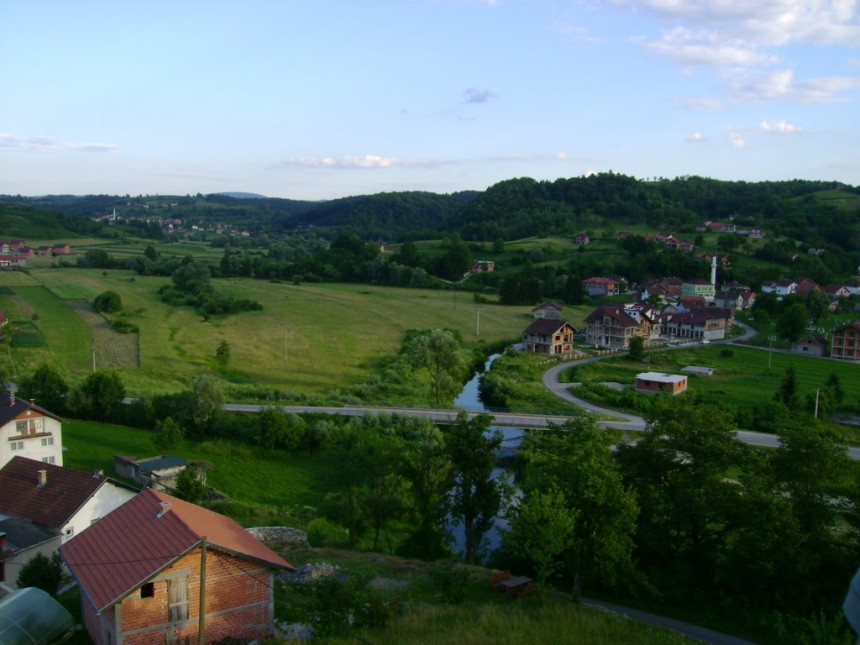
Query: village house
x=582, y=239
x=547, y=336
x=804, y=286
x=12, y=262
x=158, y=569
x=613, y=325
x=846, y=342
x=664, y=288
x=836, y=291
x=812, y=345
x=600, y=286
x=698, y=287
x=43, y=250
x=695, y=326
x=547, y=311
x=27, y=430
x=43, y=505
x=659, y=383
x=782, y=287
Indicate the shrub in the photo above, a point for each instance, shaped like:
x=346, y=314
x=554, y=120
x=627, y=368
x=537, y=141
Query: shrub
x=42, y=572
x=108, y=302
x=323, y=532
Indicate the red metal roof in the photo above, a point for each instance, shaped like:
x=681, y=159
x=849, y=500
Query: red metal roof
x=52, y=505
x=127, y=547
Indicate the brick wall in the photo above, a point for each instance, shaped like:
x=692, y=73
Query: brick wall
x=238, y=603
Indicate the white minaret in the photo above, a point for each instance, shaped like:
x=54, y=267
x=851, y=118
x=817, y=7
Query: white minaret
x=714, y=272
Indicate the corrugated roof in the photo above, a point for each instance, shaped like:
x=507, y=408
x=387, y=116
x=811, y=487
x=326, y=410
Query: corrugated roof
x=133, y=543
x=53, y=504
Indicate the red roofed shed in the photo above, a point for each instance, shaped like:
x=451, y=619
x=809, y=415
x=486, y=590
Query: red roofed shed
x=140, y=570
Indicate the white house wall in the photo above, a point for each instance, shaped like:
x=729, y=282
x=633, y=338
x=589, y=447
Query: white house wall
x=14, y=564
x=32, y=445
x=108, y=498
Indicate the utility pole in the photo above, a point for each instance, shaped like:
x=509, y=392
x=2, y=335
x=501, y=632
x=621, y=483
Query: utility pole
x=817, y=392
x=201, y=620
x=770, y=353
x=478, y=311
x=94, y=359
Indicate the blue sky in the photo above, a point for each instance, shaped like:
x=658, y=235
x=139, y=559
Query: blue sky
x=318, y=99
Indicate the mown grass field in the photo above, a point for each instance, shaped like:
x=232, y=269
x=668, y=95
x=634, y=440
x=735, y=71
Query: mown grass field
x=309, y=339
x=742, y=379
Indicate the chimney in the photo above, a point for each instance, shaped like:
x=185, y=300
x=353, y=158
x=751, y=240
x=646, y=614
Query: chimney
x=11, y=398
x=165, y=508
x=2, y=541
x=43, y=478
x=98, y=473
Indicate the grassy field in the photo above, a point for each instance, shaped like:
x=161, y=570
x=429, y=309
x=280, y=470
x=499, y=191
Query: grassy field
x=269, y=486
x=742, y=378
x=308, y=339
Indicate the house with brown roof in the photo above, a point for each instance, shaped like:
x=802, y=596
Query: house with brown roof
x=613, y=325
x=547, y=336
x=158, y=570
x=846, y=342
x=582, y=239
x=28, y=430
x=812, y=345
x=601, y=286
x=43, y=505
x=61, y=248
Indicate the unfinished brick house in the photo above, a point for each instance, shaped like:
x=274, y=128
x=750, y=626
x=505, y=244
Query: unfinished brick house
x=141, y=570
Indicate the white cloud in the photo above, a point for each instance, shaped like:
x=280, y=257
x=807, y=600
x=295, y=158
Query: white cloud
x=737, y=140
x=366, y=162
x=781, y=86
x=473, y=95
x=575, y=32
x=696, y=137
x=48, y=144
x=779, y=127
x=764, y=22
x=708, y=49
x=562, y=156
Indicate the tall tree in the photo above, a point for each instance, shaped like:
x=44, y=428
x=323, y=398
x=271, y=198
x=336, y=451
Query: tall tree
x=100, y=397
x=542, y=528
x=47, y=388
x=439, y=353
x=475, y=496
x=788, y=394
x=680, y=471
x=578, y=456
x=206, y=403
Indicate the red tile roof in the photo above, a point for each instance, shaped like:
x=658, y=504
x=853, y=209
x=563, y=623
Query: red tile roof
x=51, y=505
x=133, y=543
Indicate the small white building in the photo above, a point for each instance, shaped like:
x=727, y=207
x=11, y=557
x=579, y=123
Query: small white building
x=657, y=382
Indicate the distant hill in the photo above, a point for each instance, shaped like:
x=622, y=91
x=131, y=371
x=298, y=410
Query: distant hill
x=242, y=195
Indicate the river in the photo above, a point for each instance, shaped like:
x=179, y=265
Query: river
x=469, y=399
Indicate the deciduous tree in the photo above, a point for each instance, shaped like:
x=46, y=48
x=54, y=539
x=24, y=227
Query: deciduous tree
x=438, y=352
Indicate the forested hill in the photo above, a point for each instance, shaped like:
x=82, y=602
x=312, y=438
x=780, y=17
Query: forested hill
x=817, y=212
x=516, y=208
x=387, y=215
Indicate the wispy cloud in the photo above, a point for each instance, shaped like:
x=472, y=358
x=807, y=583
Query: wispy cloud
x=365, y=162
x=744, y=41
x=779, y=127
x=697, y=137
x=737, y=140
x=48, y=144
x=473, y=95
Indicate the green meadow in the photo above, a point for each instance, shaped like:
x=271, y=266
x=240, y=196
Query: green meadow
x=308, y=339
x=743, y=378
